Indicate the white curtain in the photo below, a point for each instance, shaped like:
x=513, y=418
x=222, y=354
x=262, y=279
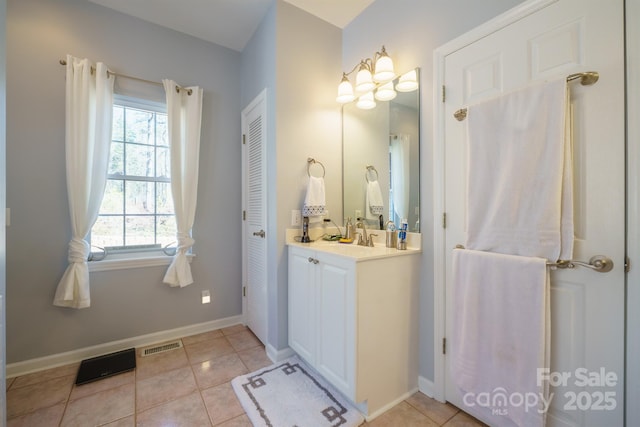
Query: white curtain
x=89, y=110
x=184, y=117
x=400, y=155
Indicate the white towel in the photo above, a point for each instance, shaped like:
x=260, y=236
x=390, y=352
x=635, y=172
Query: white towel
x=374, y=200
x=314, y=201
x=500, y=336
x=520, y=196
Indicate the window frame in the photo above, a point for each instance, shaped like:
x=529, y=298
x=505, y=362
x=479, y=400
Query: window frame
x=133, y=257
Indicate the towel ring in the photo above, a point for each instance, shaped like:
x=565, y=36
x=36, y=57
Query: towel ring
x=370, y=169
x=311, y=161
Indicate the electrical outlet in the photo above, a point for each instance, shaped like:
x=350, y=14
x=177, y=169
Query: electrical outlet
x=206, y=297
x=358, y=213
x=296, y=217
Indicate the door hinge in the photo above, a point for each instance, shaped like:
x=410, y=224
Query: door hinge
x=244, y=215
x=244, y=139
x=444, y=220
x=444, y=93
x=444, y=346
x=627, y=265
x=244, y=291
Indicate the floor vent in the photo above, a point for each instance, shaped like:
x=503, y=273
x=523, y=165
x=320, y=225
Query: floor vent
x=174, y=345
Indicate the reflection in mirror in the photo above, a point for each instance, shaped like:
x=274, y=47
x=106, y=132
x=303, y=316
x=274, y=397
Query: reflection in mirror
x=381, y=161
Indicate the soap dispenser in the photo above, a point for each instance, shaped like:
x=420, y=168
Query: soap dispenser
x=349, y=229
x=305, y=230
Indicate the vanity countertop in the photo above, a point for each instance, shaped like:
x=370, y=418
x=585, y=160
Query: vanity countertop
x=352, y=250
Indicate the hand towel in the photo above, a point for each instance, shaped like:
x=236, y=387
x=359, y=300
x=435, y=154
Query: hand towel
x=519, y=192
x=500, y=336
x=314, y=201
x=374, y=200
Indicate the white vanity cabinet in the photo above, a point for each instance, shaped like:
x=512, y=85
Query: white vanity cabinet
x=322, y=313
x=355, y=320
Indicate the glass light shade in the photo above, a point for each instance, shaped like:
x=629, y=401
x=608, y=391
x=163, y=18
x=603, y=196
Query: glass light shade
x=364, y=82
x=386, y=92
x=384, y=69
x=366, y=101
x=345, y=92
x=408, y=82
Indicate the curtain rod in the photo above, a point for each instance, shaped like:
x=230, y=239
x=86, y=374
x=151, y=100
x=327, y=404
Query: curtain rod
x=178, y=87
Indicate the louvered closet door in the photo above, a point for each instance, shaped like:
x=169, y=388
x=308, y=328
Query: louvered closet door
x=254, y=212
x=587, y=307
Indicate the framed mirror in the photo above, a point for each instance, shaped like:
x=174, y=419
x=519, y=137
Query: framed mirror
x=381, y=161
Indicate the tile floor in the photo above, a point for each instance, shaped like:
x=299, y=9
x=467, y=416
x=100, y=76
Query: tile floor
x=188, y=387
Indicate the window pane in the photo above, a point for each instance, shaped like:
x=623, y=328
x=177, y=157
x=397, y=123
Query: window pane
x=113, y=201
x=164, y=200
x=161, y=130
x=163, y=165
x=140, y=230
x=135, y=212
x=117, y=133
x=140, y=159
x=108, y=231
x=166, y=229
x=140, y=126
x=116, y=158
x=140, y=197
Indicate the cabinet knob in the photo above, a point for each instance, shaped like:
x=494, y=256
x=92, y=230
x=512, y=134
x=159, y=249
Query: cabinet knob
x=313, y=260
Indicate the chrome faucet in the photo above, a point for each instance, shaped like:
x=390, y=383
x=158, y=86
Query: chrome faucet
x=362, y=237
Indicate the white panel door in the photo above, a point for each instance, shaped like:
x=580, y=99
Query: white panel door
x=254, y=256
x=587, y=307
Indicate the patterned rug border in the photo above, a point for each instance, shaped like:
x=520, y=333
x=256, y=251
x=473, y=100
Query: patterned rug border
x=335, y=415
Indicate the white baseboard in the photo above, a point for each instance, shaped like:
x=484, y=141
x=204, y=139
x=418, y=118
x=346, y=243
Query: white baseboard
x=60, y=359
x=389, y=405
x=426, y=386
x=278, y=355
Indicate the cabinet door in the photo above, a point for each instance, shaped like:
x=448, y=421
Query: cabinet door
x=302, y=323
x=336, y=304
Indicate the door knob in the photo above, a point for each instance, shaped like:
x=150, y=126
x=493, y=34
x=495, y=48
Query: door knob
x=599, y=263
x=259, y=233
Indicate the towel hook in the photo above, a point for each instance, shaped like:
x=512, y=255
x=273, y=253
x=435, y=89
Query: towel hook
x=370, y=169
x=311, y=161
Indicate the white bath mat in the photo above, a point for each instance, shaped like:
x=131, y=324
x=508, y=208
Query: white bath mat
x=290, y=393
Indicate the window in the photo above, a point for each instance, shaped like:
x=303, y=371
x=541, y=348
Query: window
x=137, y=210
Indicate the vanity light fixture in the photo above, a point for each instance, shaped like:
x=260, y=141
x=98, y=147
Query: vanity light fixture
x=371, y=73
x=366, y=101
x=385, y=92
x=407, y=82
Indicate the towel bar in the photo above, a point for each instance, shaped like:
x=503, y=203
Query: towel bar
x=599, y=263
x=587, y=78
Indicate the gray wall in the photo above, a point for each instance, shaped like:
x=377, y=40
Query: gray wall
x=3, y=197
x=296, y=56
x=308, y=125
x=125, y=303
x=418, y=27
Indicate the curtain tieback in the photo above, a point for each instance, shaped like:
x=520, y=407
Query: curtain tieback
x=79, y=250
x=184, y=242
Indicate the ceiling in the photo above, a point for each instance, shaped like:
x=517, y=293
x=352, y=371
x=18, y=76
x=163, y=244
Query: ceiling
x=229, y=23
